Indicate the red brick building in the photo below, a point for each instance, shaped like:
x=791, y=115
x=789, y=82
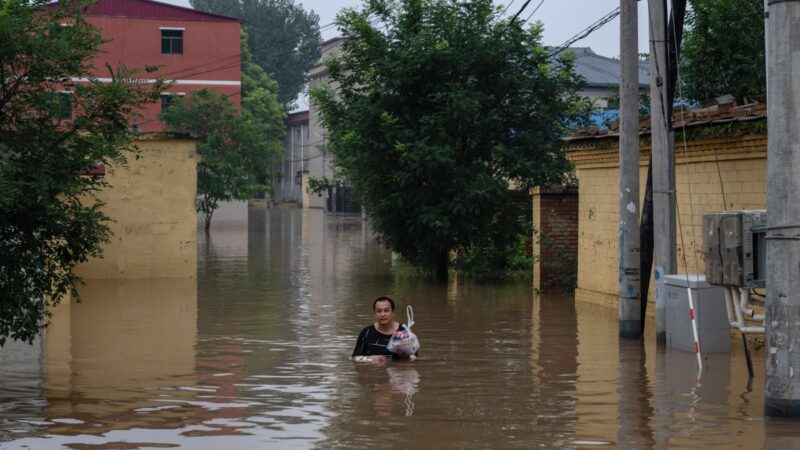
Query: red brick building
x=194, y=49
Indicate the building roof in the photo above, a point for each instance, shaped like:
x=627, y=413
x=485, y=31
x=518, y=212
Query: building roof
x=149, y=9
x=602, y=71
x=682, y=116
x=331, y=41
x=296, y=118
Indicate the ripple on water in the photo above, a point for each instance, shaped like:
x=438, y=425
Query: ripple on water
x=253, y=354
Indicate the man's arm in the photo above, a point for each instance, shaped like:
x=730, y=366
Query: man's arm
x=359, y=348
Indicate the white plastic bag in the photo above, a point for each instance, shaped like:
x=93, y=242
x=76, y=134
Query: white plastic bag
x=405, y=341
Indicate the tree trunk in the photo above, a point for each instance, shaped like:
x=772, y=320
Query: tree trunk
x=442, y=267
x=207, y=220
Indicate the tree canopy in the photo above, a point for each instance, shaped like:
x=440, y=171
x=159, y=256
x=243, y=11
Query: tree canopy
x=52, y=129
x=439, y=113
x=284, y=38
x=236, y=149
x=723, y=50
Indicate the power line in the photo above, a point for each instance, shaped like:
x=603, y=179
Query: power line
x=586, y=32
x=156, y=119
x=522, y=8
x=284, y=161
x=507, y=6
x=533, y=12
x=216, y=68
x=252, y=50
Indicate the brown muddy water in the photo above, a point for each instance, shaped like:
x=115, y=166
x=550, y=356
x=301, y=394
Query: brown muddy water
x=254, y=354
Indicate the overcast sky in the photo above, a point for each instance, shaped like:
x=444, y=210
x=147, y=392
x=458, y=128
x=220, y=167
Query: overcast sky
x=562, y=20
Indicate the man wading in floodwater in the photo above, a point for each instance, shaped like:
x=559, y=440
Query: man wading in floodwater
x=372, y=341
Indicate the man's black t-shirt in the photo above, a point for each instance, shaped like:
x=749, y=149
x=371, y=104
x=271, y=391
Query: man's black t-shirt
x=373, y=342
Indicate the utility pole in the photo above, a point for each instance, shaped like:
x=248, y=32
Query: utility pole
x=782, y=384
x=630, y=321
x=674, y=39
x=663, y=160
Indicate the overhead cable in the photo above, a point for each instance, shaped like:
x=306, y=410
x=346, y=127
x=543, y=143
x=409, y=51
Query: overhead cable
x=533, y=12
x=586, y=32
x=524, y=5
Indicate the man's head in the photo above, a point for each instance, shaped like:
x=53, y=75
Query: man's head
x=384, y=310
x=383, y=298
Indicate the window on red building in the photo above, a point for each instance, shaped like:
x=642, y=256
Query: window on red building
x=166, y=99
x=171, y=41
x=62, y=105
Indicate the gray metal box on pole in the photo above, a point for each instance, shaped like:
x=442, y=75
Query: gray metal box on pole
x=734, y=248
x=713, y=329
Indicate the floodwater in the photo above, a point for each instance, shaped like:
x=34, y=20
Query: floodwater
x=254, y=354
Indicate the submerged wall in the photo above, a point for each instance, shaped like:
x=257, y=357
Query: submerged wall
x=152, y=205
x=735, y=165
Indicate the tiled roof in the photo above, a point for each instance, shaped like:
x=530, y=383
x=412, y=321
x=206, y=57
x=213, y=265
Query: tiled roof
x=689, y=117
x=149, y=9
x=602, y=71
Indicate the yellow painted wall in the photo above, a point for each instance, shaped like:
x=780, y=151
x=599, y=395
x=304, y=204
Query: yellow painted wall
x=124, y=334
x=152, y=203
x=742, y=163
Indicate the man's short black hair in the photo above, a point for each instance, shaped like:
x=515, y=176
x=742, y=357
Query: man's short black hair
x=383, y=298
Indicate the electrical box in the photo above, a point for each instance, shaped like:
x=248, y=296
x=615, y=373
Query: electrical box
x=731, y=246
x=711, y=252
x=710, y=313
x=734, y=248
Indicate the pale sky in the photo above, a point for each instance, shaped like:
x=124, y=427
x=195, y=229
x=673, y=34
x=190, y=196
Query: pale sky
x=562, y=20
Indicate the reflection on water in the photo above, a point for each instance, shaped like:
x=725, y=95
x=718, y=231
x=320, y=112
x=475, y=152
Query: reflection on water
x=404, y=380
x=253, y=354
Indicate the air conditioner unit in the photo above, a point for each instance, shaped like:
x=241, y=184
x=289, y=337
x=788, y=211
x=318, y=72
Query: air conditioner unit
x=734, y=247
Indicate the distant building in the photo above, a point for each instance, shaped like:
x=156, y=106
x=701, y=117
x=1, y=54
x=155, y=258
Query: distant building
x=191, y=48
x=287, y=174
x=602, y=74
x=318, y=163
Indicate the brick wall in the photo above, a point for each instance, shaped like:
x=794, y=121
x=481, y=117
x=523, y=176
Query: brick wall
x=555, y=240
x=742, y=168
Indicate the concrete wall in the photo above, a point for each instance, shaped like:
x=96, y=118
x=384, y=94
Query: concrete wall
x=555, y=240
x=742, y=165
x=152, y=205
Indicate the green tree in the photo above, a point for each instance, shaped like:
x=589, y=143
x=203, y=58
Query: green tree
x=723, y=50
x=284, y=38
x=611, y=110
x=51, y=130
x=262, y=111
x=236, y=149
x=222, y=173
x=443, y=111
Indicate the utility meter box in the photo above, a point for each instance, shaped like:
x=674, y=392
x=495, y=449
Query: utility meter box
x=711, y=315
x=734, y=248
x=711, y=253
